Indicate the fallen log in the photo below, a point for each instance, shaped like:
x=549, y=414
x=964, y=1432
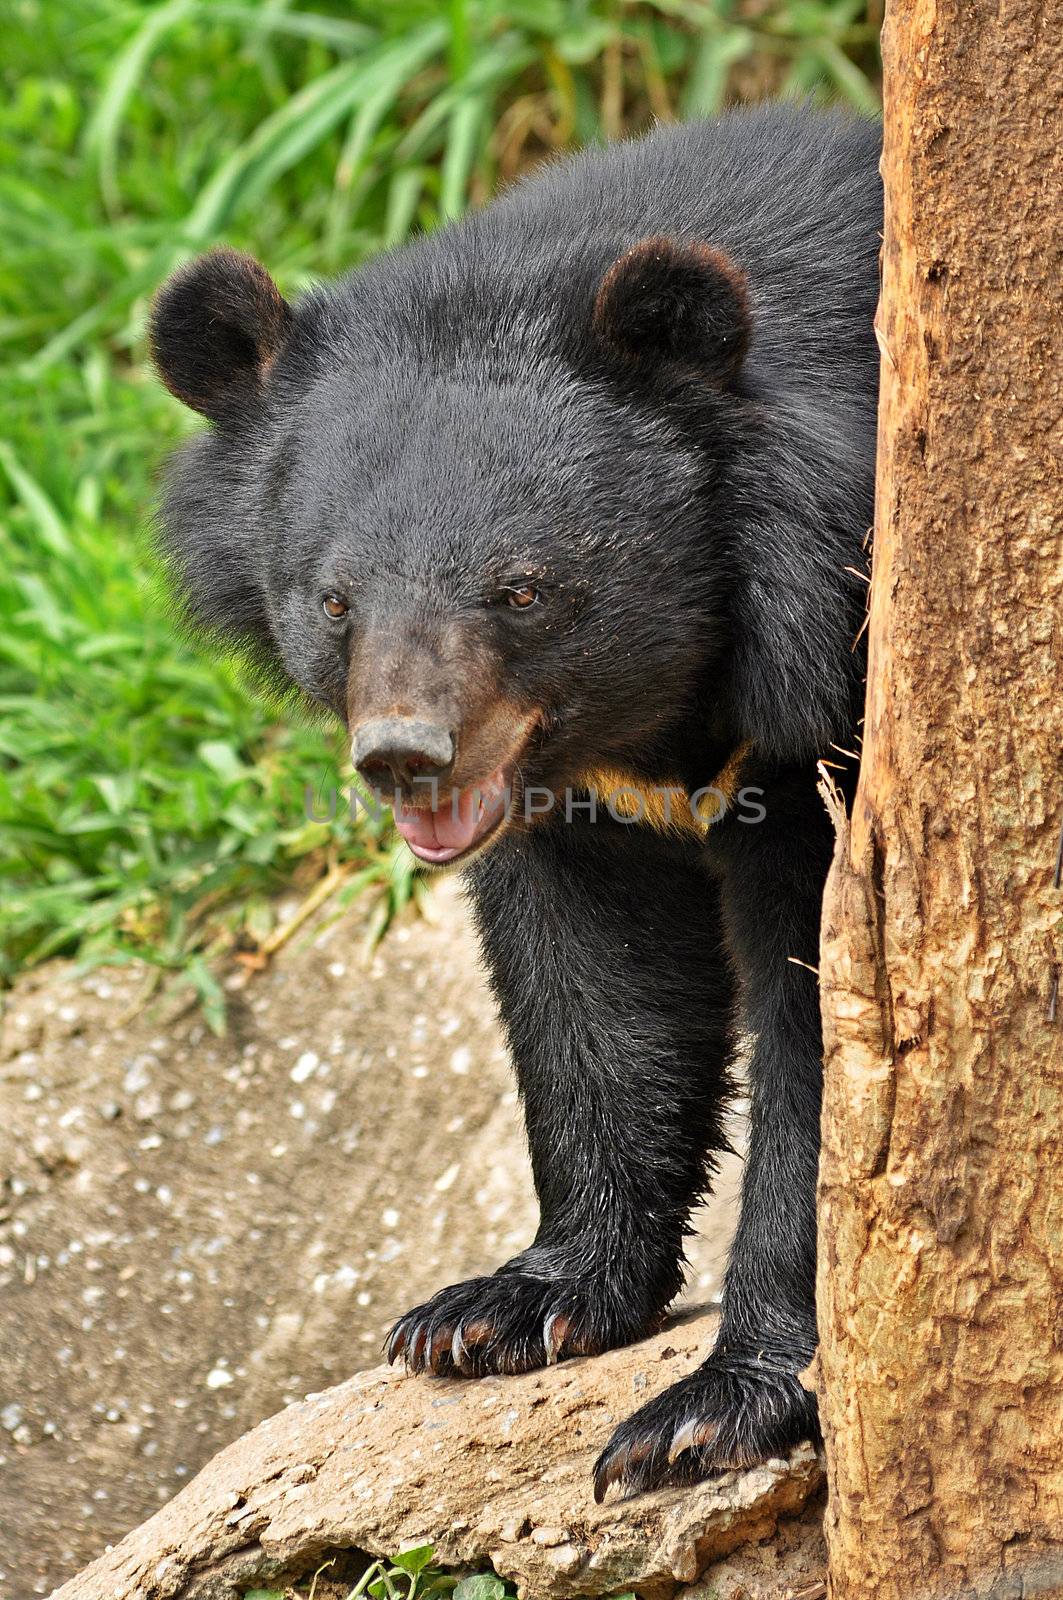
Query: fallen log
x=494, y=1471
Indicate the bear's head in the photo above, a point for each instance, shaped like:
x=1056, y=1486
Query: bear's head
x=480, y=516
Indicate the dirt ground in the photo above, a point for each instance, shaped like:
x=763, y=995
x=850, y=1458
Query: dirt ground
x=195, y=1232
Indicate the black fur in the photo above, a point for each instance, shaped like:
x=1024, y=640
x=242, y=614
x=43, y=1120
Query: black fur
x=216, y=328
x=623, y=1082
x=641, y=386
x=676, y=302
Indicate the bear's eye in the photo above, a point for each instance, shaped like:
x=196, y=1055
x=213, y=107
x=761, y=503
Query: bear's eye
x=334, y=608
x=521, y=596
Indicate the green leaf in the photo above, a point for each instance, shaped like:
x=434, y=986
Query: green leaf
x=336, y=32
x=117, y=792
x=716, y=54
x=210, y=995
x=43, y=608
x=404, y=195
x=462, y=143
x=584, y=41
x=484, y=1586
x=848, y=77
x=223, y=759
x=415, y=1559
x=45, y=517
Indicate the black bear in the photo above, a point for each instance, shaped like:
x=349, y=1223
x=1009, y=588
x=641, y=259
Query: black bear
x=562, y=512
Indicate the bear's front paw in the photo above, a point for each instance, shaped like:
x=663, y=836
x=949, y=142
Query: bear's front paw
x=736, y=1410
x=509, y=1322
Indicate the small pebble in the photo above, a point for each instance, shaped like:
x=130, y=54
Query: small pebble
x=550, y=1537
x=305, y=1067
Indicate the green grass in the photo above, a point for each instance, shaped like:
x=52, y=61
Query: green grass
x=151, y=803
x=410, y=1575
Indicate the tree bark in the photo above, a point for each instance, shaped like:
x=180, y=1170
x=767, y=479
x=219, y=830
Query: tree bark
x=941, y=1189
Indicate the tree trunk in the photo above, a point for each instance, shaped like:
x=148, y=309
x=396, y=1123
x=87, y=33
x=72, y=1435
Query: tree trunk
x=941, y=1191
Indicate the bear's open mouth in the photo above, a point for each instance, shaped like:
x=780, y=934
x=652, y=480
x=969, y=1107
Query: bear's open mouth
x=457, y=824
x=463, y=820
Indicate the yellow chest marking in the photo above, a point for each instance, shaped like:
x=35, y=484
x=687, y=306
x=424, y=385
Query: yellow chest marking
x=667, y=806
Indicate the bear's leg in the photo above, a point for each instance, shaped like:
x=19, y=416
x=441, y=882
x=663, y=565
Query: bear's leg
x=604, y=947
x=745, y=1403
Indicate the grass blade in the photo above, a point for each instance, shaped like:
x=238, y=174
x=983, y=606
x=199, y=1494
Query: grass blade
x=46, y=519
x=285, y=137
x=460, y=154
x=102, y=132
x=722, y=45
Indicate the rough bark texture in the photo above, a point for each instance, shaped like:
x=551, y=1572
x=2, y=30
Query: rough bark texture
x=941, y=1266
x=495, y=1471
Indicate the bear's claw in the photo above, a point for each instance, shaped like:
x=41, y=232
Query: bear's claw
x=734, y=1411
x=509, y=1322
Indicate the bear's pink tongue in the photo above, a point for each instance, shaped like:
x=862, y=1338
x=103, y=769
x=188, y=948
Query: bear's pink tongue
x=441, y=835
x=457, y=824
x=464, y=818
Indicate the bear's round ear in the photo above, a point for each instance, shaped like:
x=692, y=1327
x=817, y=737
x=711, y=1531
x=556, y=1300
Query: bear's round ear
x=666, y=299
x=217, y=326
